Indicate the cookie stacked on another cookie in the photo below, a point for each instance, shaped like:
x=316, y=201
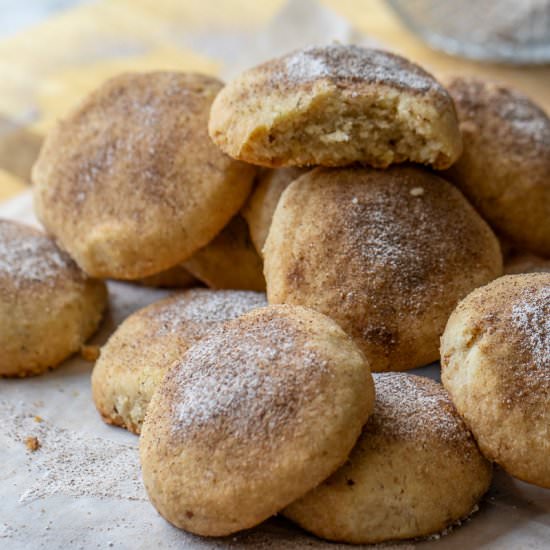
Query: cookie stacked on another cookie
x=333, y=106
x=247, y=409
x=386, y=253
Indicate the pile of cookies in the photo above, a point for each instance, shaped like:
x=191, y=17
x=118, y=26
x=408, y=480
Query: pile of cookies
x=367, y=200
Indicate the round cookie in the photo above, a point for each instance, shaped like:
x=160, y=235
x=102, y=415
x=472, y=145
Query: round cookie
x=505, y=167
x=258, y=210
x=230, y=261
x=254, y=416
x=333, y=106
x=174, y=277
x=414, y=471
x=495, y=359
x=386, y=254
x=130, y=184
x=136, y=357
x=48, y=306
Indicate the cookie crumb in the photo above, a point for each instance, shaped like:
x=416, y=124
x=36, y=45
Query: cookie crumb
x=89, y=353
x=38, y=418
x=32, y=443
x=417, y=191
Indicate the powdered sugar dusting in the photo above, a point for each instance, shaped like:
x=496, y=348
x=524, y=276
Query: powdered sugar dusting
x=28, y=256
x=523, y=122
x=130, y=129
x=394, y=231
x=202, y=306
x=531, y=317
x=415, y=408
x=245, y=380
x=75, y=465
x=350, y=62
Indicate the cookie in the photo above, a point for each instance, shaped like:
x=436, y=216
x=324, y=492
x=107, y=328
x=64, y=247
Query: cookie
x=333, y=106
x=386, y=254
x=505, y=167
x=136, y=357
x=414, y=471
x=48, y=306
x=175, y=277
x=230, y=261
x=129, y=182
x=260, y=206
x=495, y=359
x=254, y=416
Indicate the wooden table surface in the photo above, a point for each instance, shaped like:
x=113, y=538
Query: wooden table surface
x=48, y=67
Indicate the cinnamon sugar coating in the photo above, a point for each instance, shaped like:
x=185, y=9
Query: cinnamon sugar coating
x=255, y=415
x=495, y=357
x=48, y=306
x=143, y=348
x=336, y=105
x=414, y=471
x=129, y=182
x=505, y=167
x=386, y=254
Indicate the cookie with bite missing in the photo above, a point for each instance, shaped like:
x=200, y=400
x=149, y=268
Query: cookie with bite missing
x=336, y=105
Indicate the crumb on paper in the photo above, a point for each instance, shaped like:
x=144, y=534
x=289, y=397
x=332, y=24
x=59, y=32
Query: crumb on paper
x=417, y=191
x=38, y=418
x=89, y=353
x=32, y=443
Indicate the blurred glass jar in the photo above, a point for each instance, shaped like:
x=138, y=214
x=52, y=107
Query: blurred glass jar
x=513, y=31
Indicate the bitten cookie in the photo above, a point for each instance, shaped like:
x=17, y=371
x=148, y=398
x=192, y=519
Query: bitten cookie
x=333, y=106
x=48, y=306
x=253, y=417
x=230, y=261
x=386, y=254
x=130, y=184
x=136, y=357
x=414, y=471
x=495, y=358
x=505, y=167
x=260, y=206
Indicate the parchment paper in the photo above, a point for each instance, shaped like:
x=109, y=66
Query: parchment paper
x=82, y=487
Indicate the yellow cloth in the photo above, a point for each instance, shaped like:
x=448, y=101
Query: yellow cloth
x=48, y=67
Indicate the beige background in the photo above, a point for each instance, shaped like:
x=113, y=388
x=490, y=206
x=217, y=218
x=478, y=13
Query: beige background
x=47, y=67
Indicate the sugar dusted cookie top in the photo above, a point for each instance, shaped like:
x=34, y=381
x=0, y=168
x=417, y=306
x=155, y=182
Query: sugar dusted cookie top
x=130, y=183
x=333, y=106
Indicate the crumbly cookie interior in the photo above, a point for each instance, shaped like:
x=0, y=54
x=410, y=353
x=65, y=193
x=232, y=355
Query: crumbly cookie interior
x=377, y=129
